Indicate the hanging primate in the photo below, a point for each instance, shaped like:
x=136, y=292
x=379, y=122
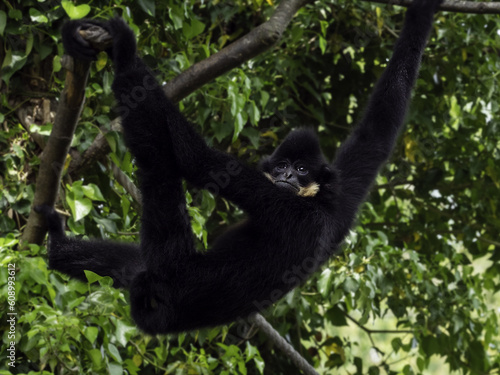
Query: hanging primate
x=300, y=207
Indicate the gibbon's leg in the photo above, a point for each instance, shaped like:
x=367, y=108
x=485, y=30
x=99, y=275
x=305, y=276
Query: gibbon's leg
x=166, y=235
x=167, y=244
x=72, y=256
x=372, y=141
x=166, y=229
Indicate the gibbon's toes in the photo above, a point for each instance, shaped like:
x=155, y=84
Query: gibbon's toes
x=74, y=43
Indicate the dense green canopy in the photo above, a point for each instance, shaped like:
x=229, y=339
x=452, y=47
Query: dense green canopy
x=415, y=290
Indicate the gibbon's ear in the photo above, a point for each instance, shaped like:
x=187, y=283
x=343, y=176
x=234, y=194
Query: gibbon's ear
x=327, y=175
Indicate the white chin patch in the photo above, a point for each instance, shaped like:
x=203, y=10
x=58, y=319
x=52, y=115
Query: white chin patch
x=269, y=177
x=309, y=191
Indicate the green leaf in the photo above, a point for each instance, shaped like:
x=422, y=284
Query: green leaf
x=421, y=363
x=222, y=130
x=6, y=223
x=396, y=344
x=81, y=208
x=96, y=357
x=29, y=43
x=91, y=333
x=477, y=357
x=3, y=21
x=180, y=338
x=115, y=369
x=92, y=277
x=111, y=137
x=108, y=224
x=336, y=316
x=253, y=135
x=106, y=281
x=56, y=64
x=36, y=16
x=148, y=6
x=113, y=351
x=123, y=332
x=15, y=14
x=455, y=110
x=93, y=192
x=260, y=364
x=397, y=306
x=325, y=282
x=254, y=113
x=250, y=351
x=324, y=27
x=13, y=61
x=322, y=45
x=76, y=303
x=102, y=60
x=239, y=124
x=41, y=129
x=358, y=362
x=430, y=346
x=44, y=50
x=264, y=98
x=351, y=285
x=75, y=11
x=197, y=27
x=177, y=16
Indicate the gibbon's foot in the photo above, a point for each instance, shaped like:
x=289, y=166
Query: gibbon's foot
x=151, y=303
x=52, y=219
x=74, y=43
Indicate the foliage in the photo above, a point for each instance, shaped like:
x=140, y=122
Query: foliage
x=415, y=289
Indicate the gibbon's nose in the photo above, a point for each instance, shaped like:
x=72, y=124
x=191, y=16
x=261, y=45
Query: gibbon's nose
x=287, y=174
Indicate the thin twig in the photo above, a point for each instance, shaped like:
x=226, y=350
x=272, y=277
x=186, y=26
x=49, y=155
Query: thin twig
x=370, y=331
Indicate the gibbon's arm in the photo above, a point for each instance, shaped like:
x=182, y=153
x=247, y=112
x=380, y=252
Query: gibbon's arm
x=120, y=261
x=162, y=139
x=372, y=141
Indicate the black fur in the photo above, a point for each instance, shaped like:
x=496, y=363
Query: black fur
x=286, y=238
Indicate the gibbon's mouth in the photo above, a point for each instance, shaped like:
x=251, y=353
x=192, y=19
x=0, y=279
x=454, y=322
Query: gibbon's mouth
x=287, y=185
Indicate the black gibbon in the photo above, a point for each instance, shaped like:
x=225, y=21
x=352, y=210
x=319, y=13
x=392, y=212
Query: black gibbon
x=299, y=206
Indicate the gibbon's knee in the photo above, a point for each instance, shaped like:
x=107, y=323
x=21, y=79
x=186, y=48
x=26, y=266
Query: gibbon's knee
x=152, y=304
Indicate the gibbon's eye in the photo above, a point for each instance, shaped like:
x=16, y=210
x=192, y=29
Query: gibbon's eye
x=281, y=166
x=302, y=170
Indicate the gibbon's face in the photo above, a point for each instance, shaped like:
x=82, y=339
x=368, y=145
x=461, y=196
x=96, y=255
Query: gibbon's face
x=296, y=177
x=296, y=164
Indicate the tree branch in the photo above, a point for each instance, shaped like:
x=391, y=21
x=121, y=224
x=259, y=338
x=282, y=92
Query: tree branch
x=452, y=6
x=252, y=44
x=127, y=184
x=282, y=344
x=54, y=155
